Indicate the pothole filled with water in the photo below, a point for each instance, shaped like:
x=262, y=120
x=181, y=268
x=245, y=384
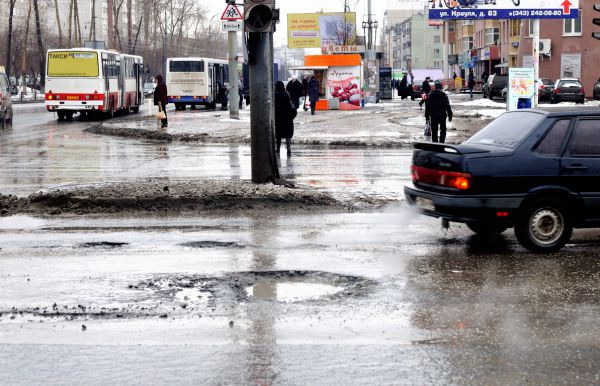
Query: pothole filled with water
x=290, y=292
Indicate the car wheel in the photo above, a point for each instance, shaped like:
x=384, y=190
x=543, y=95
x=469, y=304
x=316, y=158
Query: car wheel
x=491, y=96
x=487, y=230
x=552, y=101
x=544, y=226
x=412, y=98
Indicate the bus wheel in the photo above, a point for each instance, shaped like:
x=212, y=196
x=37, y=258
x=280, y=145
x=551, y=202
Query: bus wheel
x=135, y=109
x=69, y=116
x=61, y=115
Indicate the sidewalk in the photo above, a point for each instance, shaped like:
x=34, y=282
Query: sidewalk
x=394, y=123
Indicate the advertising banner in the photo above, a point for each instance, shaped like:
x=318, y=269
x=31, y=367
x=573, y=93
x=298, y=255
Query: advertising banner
x=69, y=64
x=343, y=83
x=503, y=9
x=521, y=88
x=314, y=30
x=570, y=66
x=385, y=83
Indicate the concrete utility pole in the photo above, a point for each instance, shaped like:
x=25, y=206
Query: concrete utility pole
x=536, y=58
x=259, y=22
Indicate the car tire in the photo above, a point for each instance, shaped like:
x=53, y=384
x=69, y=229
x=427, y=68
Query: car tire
x=491, y=96
x=135, y=109
x=413, y=98
x=544, y=226
x=487, y=230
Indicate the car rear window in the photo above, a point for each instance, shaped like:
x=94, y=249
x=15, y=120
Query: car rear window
x=547, y=82
x=508, y=130
x=569, y=83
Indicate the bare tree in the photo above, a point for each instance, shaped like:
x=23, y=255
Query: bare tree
x=129, y=25
x=11, y=12
x=24, y=51
x=60, y=37
x=93, y=22
x=42, y=54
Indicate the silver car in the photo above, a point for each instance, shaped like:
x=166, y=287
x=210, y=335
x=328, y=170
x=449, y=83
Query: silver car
x=6, y=110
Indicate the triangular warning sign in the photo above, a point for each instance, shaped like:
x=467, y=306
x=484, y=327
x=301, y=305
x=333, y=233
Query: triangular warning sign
x=232, y=13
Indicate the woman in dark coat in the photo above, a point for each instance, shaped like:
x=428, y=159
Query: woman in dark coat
x=284, y=117
x=160, y=96
x=402, y=87
x=313, y=93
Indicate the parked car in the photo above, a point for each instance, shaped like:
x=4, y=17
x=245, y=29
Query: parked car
x=6, y=109
x=417, y=89
x=494, y=85
x=149, y=89
x=545, y=88
x=568, y=90
x=596, y=93
x=533, y=170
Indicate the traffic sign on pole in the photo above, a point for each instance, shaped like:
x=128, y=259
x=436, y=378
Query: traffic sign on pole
x=232, y=26
x=503, y=9
x=232, y=13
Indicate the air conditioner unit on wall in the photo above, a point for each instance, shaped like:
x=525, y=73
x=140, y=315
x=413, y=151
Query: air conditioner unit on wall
x=545, y=46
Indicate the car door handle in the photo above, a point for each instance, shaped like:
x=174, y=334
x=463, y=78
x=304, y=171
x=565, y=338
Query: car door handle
x=574, y=168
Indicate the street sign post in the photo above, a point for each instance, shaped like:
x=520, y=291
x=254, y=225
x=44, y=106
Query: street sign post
x=233, y=22
x=232, y=26
x=503, y=9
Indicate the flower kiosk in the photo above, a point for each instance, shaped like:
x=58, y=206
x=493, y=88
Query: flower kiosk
x=340, y=79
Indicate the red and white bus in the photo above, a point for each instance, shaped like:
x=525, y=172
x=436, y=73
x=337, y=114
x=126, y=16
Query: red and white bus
x=92, y=81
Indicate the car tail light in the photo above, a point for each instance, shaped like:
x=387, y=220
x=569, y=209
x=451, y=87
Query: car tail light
x=415, y=88
x=455, y=180
x=557, y=91
x=582, y=90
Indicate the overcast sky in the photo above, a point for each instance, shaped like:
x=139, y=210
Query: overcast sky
x=216, y=7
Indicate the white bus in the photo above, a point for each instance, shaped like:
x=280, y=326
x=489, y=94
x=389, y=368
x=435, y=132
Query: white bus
x=91, y=81
x=195, y=81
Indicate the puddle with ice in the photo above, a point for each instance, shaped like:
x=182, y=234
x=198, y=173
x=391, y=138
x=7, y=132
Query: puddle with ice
x=290, y=292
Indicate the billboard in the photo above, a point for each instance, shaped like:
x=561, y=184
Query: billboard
x=503, y=9
x=314, y=30
x=521, y=88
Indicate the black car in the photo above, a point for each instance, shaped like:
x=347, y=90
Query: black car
x=568, y=90
x=545, y=88
x=534, y=170
x=494, y=86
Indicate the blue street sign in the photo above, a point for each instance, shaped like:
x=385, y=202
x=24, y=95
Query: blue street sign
x=503, y=9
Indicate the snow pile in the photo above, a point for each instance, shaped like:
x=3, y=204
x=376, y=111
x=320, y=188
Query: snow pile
x=483, y=102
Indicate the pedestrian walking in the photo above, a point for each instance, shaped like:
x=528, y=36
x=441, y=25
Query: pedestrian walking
x=437, y=109
x=294, y=88
x=304, y=92
x=222, y=92
x=313, y=93
x=425, y=90
x=285, y=112
x=160, y=98
x=241, y=93
x=471, y=84
x=402, y=89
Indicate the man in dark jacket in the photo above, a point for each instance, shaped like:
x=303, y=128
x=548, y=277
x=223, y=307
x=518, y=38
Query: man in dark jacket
x=425, y=90
x=437, y=109
x=294, y=88
x=313, y=93
x=160, y=98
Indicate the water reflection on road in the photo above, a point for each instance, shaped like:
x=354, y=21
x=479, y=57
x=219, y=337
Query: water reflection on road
x=62, y=154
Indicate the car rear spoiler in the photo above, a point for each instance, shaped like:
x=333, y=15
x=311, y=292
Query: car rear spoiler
x=449, y=149
x=437, y=147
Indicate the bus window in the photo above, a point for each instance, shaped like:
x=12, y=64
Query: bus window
x=186, y=66
x=73, y=64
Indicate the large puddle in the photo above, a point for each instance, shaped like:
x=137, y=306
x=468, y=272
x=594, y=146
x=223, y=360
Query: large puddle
x=290, y=292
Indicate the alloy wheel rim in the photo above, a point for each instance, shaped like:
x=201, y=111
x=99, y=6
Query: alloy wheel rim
x=547, y=226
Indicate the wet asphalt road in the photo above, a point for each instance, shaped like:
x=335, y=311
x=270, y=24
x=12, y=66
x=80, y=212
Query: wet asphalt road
x=362, y=298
